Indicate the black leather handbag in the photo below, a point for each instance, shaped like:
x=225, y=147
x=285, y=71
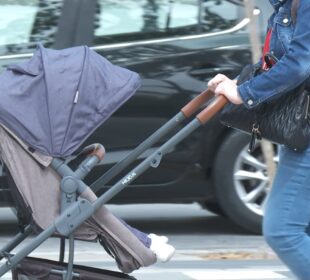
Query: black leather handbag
x=283, y=120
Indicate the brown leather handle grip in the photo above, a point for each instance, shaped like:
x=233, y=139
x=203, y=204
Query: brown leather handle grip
x=214, y=107
x=191, y=107
x=98, y=151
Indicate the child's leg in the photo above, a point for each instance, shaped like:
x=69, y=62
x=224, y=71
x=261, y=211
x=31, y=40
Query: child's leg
x=157, y=244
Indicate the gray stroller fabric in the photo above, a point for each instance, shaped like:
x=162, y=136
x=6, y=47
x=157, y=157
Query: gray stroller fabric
x=40, y=188
x=55, y=100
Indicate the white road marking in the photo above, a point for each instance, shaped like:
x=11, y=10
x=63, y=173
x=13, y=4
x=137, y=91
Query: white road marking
x=233, y=274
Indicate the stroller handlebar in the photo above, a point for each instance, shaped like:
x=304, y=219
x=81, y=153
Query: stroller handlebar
x=214, y=107
x=191, y=107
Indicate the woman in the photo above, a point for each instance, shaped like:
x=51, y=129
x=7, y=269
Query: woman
x=287, y=214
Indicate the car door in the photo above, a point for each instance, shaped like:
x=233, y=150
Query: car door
x=160, y=40
x=175, y=46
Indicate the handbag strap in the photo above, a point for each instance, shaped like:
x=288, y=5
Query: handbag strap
x=267, y=64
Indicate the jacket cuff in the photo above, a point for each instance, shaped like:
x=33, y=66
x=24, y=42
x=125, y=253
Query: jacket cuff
x=248, y=98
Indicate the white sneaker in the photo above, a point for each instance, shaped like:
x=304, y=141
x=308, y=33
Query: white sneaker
x=162, y=250
x=160, y=238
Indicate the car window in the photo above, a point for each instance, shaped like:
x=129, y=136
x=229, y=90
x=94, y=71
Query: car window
x=23, y=23
x=130, y=20
x=219, y=15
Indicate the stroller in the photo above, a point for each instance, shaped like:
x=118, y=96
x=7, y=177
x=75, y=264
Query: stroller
x=60, y=90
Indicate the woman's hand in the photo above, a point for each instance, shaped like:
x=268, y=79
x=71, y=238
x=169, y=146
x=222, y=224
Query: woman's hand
x=214, y=82
x=221, y=84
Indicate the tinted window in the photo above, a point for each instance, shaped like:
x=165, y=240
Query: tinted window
x=23, y=23
x=129, y=20
x=219, y=15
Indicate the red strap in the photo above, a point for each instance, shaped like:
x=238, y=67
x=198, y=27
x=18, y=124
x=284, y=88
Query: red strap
x=266, y=48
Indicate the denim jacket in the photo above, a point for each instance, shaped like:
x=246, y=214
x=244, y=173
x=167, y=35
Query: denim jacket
x=290, y=43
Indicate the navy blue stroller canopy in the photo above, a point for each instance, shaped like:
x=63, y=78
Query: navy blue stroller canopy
x=56, y=99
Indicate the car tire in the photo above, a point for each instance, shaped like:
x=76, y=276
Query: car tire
x=227, y=188
x=212, y=207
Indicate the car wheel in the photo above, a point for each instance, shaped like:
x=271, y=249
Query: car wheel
x=212, y=207
x=241, y=181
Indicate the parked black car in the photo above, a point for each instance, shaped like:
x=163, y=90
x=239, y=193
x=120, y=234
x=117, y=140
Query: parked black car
x=176, y=46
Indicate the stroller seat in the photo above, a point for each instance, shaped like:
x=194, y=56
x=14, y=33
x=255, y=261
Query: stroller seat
x=44, y=193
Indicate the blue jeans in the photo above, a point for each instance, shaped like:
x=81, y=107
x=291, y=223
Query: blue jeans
x=287, y=213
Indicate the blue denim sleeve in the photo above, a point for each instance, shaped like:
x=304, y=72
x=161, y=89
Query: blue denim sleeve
x=290, y=71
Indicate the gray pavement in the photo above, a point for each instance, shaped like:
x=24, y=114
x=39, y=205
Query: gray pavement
x=208, y=246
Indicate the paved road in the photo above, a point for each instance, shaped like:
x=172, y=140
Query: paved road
x=208, y=247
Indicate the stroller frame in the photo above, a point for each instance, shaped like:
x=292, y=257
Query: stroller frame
x=75, y=210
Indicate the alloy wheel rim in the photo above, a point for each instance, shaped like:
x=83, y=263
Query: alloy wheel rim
x=251, y=180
